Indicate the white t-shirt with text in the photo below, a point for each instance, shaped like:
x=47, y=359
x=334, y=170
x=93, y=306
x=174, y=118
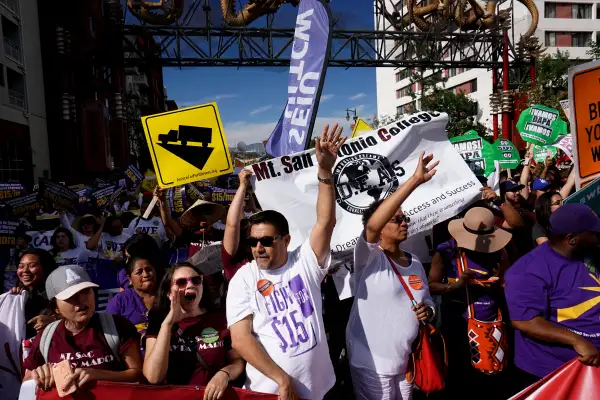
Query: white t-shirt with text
x=153, y=227
x=69, y=257
x=111, y=247
x=382, y=325
x=287, y=315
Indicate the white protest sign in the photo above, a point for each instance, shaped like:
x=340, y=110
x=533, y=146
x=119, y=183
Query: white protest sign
x=371, y=167
x=566, y=108
x=565, y=143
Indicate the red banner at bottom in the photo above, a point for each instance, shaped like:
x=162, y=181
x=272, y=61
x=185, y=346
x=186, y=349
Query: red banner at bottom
x=124, y=391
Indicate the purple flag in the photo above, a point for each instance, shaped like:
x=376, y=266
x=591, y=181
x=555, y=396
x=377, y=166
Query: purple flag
x=308, y=63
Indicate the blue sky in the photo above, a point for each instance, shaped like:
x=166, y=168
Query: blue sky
x=251, y=100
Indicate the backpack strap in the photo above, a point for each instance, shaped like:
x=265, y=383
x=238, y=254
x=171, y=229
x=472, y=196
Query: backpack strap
x=110, y=333
x=47, y=338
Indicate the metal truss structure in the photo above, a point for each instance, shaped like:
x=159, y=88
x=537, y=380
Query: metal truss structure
x=192, y=44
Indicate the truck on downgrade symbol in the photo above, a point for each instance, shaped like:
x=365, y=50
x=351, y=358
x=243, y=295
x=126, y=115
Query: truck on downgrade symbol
x=194, y=134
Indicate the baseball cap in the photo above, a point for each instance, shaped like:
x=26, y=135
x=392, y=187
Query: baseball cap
x=66, y=281
x=574, y=218
x=511, y=186
x=540, y=184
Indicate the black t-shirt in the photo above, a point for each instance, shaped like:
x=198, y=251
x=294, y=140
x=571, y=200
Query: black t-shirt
x=539, y=231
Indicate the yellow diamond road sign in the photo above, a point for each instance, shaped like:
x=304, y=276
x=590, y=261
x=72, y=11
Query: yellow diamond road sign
x=187, y=145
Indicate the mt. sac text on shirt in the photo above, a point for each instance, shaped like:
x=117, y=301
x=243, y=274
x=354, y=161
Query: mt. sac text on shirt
x=80, y=359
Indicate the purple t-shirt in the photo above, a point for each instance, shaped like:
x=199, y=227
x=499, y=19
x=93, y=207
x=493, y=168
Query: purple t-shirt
x=130, y=305
x=484, y=303
x=563, y=291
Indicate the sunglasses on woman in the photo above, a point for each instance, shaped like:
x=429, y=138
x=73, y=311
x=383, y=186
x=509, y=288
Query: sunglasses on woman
x=183, y=282
x=399, y=219
x=266, y=241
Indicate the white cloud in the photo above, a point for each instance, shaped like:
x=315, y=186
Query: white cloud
x=260, y=110
x=358, y=96
x=208, y=99
x=326, y=97
x=243, y=131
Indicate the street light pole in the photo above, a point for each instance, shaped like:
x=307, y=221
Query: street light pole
x=348, y=111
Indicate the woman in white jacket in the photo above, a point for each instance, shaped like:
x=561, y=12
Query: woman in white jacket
x=383, y=322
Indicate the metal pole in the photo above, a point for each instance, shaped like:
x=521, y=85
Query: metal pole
x=505, y=111
x=495, y=115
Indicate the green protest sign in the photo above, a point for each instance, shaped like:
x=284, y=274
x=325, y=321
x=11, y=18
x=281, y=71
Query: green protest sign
x=540, y=153
x=506, y=153
x=476, y=152
x=589, y=195
x=541, y=125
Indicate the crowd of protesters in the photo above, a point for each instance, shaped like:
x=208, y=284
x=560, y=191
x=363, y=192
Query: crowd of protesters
x=519, y=263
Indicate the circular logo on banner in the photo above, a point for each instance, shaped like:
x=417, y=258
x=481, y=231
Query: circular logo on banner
x=362, y=179
x=265, y=287
x=209, y=335
x=415, y=282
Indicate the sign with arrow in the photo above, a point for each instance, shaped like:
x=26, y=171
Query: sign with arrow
x=187, y=145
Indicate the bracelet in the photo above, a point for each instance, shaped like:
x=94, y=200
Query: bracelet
x=327, y=181
x=228, y=376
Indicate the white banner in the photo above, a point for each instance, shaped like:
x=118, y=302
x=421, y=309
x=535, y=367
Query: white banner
x=371, y=167
x=565, y=143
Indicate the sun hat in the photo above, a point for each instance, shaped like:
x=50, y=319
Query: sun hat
x=67, y=280
x=540, y=184
x=200, y=211
x=511, y=186
x=477, y=232
x=574, y=218
x=78, y=220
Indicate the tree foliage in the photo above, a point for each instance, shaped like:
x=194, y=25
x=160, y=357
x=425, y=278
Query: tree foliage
x=463, y=112
x=594, y=51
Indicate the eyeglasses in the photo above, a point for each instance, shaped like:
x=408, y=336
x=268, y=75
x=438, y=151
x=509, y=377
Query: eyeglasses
x=399, y=219
x=183, y=282
x=266, y=241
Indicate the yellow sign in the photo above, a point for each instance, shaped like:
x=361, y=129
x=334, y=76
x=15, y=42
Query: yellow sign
x=149, y=182
x=187, y=145
x=360, y=126
x=584, y=99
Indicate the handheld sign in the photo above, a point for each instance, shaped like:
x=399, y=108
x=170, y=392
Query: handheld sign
x=360, y=126
x=565, y=143
x=540, y=153
x=584, y=100
x=589, y=195
x=476, y=152
x=541, y=125
x=506, y=153
x=187, y=145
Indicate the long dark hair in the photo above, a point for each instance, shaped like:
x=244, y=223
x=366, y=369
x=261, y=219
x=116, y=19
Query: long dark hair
x=55, y=250
x=543, y=210
x=163, y=305
x=46, y=260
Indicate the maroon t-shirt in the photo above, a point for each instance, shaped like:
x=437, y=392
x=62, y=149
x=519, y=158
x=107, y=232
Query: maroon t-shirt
x=229, y=266
x=206, y=335
x=87, y=349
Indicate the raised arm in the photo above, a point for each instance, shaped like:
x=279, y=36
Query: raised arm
x=231, y=238
x=326, y=148
x=565, y=191
x=165, y=213
x=526, y=171
x=92, y=244
x=390, y=206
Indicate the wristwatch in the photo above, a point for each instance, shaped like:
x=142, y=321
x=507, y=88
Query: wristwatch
x=327, y=181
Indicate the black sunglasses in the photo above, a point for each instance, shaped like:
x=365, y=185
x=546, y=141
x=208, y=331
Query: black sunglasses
x=266, y=241
x=399, y=219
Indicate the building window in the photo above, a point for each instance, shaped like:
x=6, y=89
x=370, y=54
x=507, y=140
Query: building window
x=1, y=75
x=568, y=39
x=16, y=89
x=466, y=88
x=405, y=91
x=400, y=75
x=568, y=10
x=13, y=159
x=12, y=40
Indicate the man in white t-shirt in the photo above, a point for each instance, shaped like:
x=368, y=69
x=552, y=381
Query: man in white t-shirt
x=274, y=308
x=384, y=322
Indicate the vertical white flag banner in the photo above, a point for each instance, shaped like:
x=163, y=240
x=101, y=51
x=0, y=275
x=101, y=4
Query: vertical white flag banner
x=371, y=167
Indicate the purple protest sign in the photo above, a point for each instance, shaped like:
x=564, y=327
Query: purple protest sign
x=308, y=64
